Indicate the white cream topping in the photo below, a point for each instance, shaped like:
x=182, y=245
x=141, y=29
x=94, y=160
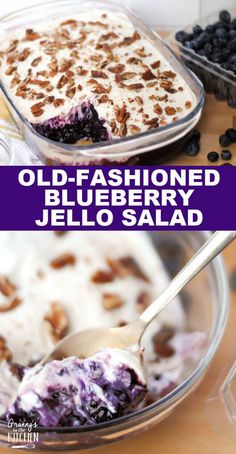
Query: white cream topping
x=79, y=44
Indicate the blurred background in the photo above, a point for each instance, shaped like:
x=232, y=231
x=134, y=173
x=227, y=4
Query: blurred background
x=166, y=13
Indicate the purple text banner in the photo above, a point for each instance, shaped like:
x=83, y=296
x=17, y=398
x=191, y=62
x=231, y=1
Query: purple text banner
x=122, y=198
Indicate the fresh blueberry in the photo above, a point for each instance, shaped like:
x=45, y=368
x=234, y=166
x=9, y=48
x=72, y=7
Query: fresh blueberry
x=213, y=156
x=181, y=36
x=192, y=148
x=233, y=24
x=231, y=133
x=224, y=140
x=221, y=33
x=226, y=155
x=210, y=29
x=188, y=44
x=232, y=44
x=197, y=29
x=232, y=34
x=225, y=16
x=196, y=135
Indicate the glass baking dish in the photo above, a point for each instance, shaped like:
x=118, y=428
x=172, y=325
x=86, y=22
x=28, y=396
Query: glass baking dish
x=205, y=302
x=165, y=140
x=216, y=80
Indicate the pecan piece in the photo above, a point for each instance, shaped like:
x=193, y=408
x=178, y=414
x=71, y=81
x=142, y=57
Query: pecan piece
x=7, y=288
x=37, y=109
x=24, y=54
x=62, y=261
x=170, y=110
x=148, y=75
x=157, y=109
x=156, y=64
x=9, y=305
x=134, y=129
x=99, y=74
x=62, y=81
x=70, y=92
x=128, y=75
x=160, y=343
x=135, y=86
x=139, y=100
x=108, y=36
x=36, y=61
x=143, y=301
x=5, y=352
x=10, y=70
x=127, y=266
x=100, y=89
x=130, y=39
x=58, y=321
x=134, y=61
x=152, y=123
x=170, y=74
x=103, y=99
x=102, y=277
x=116, y=69
x=188, y=104
x=58, y=102
x=111, y=301
x=30, y=35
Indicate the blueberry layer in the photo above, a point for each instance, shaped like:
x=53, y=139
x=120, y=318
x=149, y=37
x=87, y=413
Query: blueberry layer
x=81, y=123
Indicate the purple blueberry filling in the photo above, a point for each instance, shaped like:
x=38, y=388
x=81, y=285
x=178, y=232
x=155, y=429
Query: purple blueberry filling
x=75, y=392
x=81, y=123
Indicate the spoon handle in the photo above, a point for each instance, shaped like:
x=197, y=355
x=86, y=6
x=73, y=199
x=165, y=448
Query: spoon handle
x=215, y=244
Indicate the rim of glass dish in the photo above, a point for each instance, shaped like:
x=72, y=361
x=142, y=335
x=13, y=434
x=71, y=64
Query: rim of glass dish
x=96, y=147
x=219, y=268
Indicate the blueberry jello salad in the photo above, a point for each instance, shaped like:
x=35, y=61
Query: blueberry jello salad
x=54, y=283
x=91, y=77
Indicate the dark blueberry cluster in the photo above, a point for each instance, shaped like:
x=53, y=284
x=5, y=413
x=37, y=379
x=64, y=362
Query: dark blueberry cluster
x=217, y=42
x=83, y=124
x=192, y=146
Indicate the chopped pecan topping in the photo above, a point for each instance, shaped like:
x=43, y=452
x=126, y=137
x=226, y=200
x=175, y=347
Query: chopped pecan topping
x=62, y=261
x=128, y=75
x=102, y=277
x=103, y=99
x=134, y=61
x=37, y=109
x=116, y=69
x=62, y=81
x=121, y=113
x=30, y=35
x=65, y=65
x=108, y=36
x=152, y=123
x=72, y=22
x=58, y=321
x=112, y=301
x=36, y=61
x=161, y=343
x=40, y=83
x=135, y=86
x=10, y=70
x=156, y=64
x=10, y=304
x=134, y=129
x=130, y=39
x=139, y=100
x=81, y=71
x=157, y=109
x=143, y=301
x=99, y=89
x=13, y=46
x=126, y=266
x=162, y=98
x=5, y=352
x=188, y=104
x=148, y=75
x=169, y=74
x=70, y=92
x=7, y=288
x=99, y=74
x=24, y=54
x=170, y=110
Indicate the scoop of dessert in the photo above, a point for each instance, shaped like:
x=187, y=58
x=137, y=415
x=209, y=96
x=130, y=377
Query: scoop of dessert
x=73, y=392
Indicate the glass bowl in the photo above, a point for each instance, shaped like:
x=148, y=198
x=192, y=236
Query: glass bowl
x=164, y=141
x=205, y=301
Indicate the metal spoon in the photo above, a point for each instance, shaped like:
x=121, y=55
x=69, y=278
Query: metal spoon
x=87, y=342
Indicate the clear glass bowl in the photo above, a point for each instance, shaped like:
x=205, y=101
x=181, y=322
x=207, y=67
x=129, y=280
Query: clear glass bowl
x=165, y=140
x=205, y=301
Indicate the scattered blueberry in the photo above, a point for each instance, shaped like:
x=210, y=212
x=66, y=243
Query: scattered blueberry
x=213, y=156
x=226, y=155
x=225, y=17
x=192, y=147
x=224, y=140
x=231, y=133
